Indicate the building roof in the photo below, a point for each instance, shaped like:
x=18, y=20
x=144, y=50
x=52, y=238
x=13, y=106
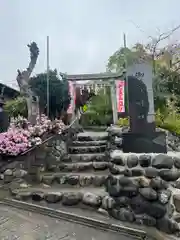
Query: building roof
x=9, y=91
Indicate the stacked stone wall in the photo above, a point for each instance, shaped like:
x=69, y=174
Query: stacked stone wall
x=145, y=188
x=27, y=168
x=139, y=188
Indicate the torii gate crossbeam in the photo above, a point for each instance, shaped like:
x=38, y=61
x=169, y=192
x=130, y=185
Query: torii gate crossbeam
x=108, y=77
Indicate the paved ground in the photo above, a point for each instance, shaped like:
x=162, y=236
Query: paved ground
x=17, y=224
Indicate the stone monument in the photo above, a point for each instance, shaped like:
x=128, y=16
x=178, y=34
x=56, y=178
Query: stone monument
x=142, y=136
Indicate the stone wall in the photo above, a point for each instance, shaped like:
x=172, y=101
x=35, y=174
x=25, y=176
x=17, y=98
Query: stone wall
x=26, y=168
x=140, y=188
x=145, y=188
x=115, y=134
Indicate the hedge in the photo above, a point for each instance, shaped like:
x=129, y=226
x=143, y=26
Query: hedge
x=171, y=122
x=95, y=119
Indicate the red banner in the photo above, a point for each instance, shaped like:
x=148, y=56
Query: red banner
x=120, y=93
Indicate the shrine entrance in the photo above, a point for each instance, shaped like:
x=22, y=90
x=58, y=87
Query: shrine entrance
x=111, y=84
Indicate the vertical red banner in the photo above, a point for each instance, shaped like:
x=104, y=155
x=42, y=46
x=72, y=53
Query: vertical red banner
x=73, y=97
x=120, y=96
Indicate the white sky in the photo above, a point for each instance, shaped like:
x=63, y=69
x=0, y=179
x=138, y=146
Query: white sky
x=83, y=33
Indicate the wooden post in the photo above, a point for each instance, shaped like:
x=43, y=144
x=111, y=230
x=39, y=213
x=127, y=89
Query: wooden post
x=114, y=102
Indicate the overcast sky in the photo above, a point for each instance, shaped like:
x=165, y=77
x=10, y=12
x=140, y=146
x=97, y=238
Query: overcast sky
x=83, y=33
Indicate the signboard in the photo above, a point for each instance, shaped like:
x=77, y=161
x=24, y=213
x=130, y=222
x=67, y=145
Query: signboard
x=120, y=96
x=143, y=72
x=73, y=97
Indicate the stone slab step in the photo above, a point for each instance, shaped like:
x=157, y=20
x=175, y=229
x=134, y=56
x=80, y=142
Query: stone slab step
x=86, y=157
x=95, y=179
x=89, y=143
x=87, y=149
x=92, y=136
x=95, y=128
x=45, y=189
x=83, y=167
x=65, y=196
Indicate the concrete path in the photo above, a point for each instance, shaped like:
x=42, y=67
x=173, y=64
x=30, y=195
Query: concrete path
x=17, y=224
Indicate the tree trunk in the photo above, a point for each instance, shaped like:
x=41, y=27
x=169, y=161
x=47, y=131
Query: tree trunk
x=33, y=110
x=23, y=79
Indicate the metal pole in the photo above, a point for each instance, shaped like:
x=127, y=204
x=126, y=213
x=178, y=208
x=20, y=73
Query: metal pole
x=126, y=66
x=47, y=75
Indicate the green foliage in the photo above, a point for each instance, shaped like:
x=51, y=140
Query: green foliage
x=16, y=107
x=101, y=103
x=123, y=122
x=170, y=121
x=166, y=81
x=99, y=110
x=94, y=119
x=59, y=98
x=116, y=62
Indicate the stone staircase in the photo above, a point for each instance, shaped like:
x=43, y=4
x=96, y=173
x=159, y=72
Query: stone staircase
x=137, y=189
x=77, y=179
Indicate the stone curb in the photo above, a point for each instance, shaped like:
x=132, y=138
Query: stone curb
x=75, y=218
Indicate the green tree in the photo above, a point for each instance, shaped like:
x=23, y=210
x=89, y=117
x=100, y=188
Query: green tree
x=17, y=107
x=99, y=110
x=166, y=76
x=116, y=62
x=59, y=98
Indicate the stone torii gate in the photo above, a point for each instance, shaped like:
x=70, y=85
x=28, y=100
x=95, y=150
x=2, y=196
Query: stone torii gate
x=142, y=136
x=106, y=79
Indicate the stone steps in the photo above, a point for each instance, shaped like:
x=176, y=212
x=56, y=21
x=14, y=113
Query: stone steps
x=65, y=196
x=95, y=128
x=89, y=143
x=83, y=166
x=86, y=165
x=96, y=178
x=87, y=149
x=46, y=189
x=78, y=180
x=92, y=136
x=133, y=188
x=86, y=157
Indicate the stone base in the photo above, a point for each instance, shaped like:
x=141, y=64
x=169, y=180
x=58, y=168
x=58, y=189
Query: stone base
x=143, y=143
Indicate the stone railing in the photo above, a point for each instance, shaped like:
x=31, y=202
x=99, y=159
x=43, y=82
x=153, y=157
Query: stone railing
x=45, y=156
x=144, y=188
